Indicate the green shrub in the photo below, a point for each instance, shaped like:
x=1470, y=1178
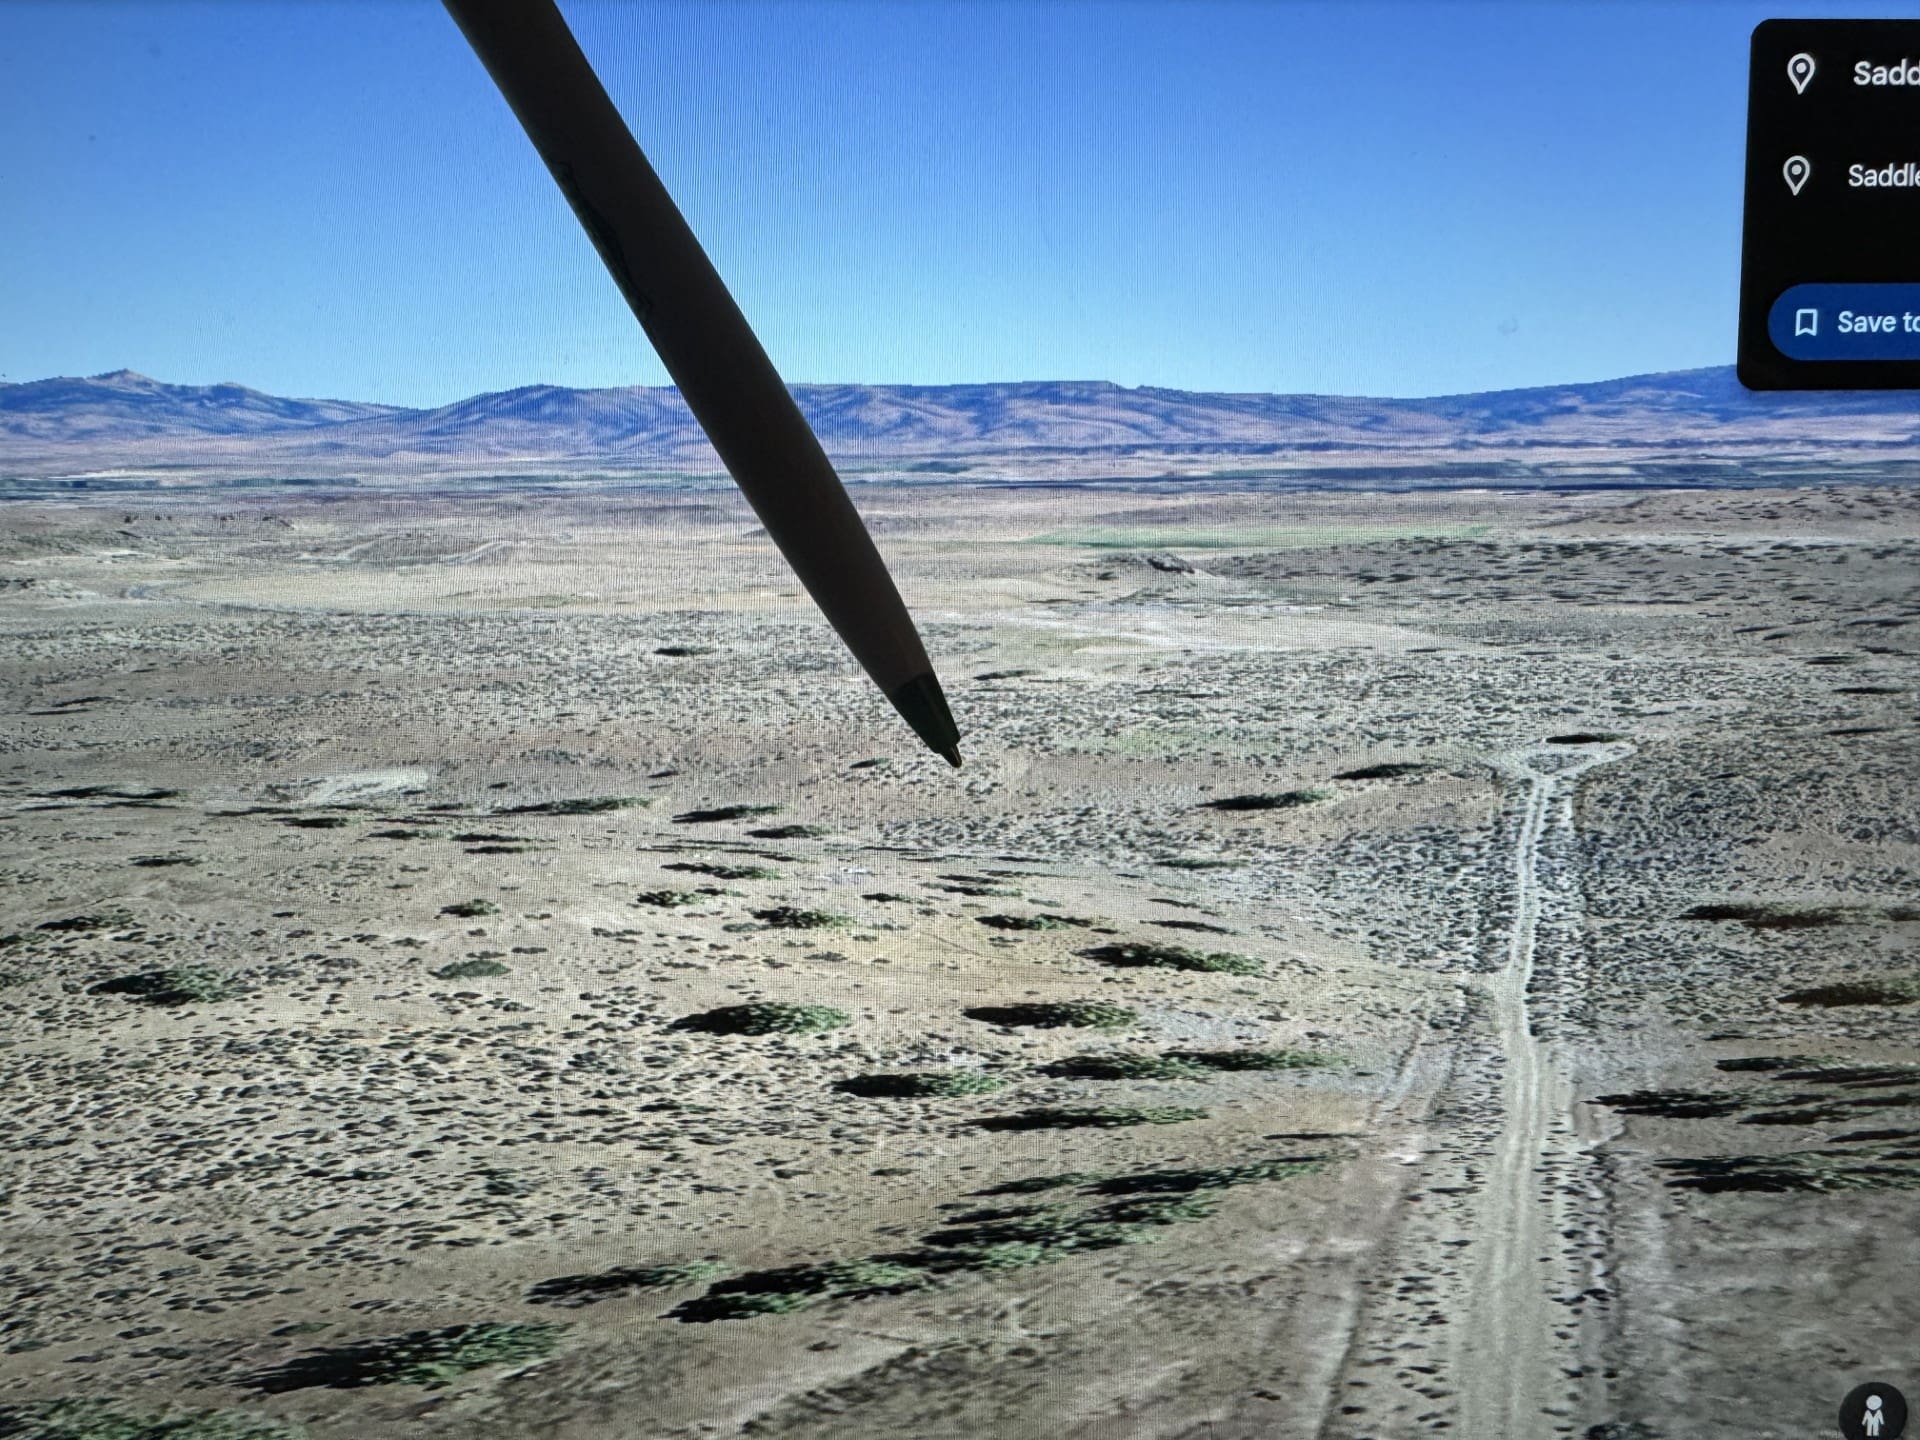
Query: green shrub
x=691, y=1272
x=668, y=899
x=469, y=970
x=1257, y=1059
x=1285, y=800
x=1081, y=1014
x=594, y=805
x=1804, y=1170
x=1126, y=1067
x=1006, y=1255
x=1173, y=957
x=836, y=1277
x=1392, y=770
x=430, y=1358
x=1771, y=1062
x=1780, y=915
x=789, y=832
x=724, y=812
x=928, y=1084
x=725, y=872
x=1159, y=1210
x=786, y=917
x=740, y=1306
x=1786, y=915
x=1853, y=1077
x=470, y=909
x=1679, y=1104
x=1032, y=922
x=1055, y=1231
x=89, y=924
x=775, y=1292
x=1108, y=1117
x=575, y=1291
x=1002, y=1212
x=134, y=793
x=1036, y=1184
x=764, y=1018
x=1180, y=1181
x=180, y=985
x=1881, y=990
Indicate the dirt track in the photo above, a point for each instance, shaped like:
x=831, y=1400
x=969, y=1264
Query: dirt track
x=1512, y=1363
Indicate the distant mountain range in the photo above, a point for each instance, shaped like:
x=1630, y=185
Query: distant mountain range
x=124, y=420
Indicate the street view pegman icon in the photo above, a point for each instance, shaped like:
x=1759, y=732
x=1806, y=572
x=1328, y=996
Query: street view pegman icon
x=1797, y=169
x=1800, y=71
x=1874, y=1411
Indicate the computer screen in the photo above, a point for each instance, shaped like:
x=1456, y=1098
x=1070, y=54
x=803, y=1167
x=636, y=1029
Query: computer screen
x=1060, y=720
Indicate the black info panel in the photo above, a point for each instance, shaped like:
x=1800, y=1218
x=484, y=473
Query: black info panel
x=1830, y=256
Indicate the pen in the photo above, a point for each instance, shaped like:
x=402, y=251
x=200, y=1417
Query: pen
x=704, y=341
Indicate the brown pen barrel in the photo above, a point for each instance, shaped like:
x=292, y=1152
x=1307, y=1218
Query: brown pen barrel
x=704, y=341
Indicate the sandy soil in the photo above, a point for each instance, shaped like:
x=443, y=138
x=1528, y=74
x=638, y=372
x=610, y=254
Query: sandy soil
x=370, y=865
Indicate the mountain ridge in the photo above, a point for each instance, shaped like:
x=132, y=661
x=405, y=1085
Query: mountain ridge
x=123, y=417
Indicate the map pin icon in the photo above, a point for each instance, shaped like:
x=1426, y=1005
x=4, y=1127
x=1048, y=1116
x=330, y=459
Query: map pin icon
x=1796, y=170
x=1800, y=71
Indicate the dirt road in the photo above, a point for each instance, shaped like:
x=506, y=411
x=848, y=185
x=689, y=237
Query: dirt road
x=1511, y=1361
x=1463, y=1327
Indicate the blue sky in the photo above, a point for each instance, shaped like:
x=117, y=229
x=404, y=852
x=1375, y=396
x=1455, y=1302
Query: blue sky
x=1389, y=199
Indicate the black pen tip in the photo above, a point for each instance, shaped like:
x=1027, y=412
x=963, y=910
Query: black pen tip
x=922, y=705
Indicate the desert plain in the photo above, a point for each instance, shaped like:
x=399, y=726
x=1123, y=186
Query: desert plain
x=1390, y=965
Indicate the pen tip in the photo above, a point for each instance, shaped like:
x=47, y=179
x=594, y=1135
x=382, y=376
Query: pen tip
x=921, y=704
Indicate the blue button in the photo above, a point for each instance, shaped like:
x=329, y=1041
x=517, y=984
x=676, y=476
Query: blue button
x=1847, y=322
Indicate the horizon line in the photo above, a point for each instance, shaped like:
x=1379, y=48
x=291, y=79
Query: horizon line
x=128, y=371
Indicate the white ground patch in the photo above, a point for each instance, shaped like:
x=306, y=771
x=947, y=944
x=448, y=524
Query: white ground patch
x=361, y=785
